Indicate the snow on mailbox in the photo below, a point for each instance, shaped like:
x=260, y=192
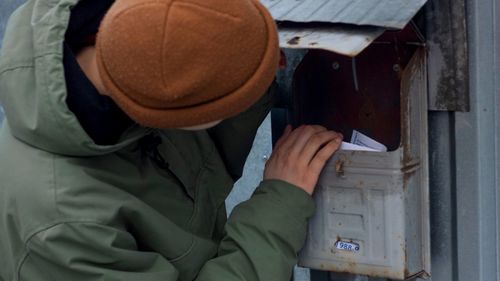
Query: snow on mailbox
x=364, y=74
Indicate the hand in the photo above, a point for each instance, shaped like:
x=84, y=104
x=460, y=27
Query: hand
x=300, y=155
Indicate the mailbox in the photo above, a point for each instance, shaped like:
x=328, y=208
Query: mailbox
x=365, y=74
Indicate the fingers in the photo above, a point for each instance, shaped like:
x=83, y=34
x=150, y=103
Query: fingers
x=286, y=133
x=304, y=134
x=317, y=141
x=319, y=160
x=298, y=138
x=300, y=155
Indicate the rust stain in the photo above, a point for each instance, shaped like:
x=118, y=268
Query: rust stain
x=449, y=70
x=407, y=273
x=339, y=168
x=353, y=267
x=294, y=41
x=407, y=177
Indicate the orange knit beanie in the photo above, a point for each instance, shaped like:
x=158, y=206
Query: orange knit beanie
x=180, y=63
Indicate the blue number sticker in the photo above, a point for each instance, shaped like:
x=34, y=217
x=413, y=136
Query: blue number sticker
x=347, y=246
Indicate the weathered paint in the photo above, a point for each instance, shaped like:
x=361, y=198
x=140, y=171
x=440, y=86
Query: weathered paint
x=345, y=40
x=448, y=55
x=343, y=26
x=393, y=14
x=398, y=178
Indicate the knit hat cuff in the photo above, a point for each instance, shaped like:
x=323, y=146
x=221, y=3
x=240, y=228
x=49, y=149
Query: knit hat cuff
x=221, y=108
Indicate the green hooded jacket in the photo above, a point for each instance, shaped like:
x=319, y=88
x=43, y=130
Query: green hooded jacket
x=74, y=210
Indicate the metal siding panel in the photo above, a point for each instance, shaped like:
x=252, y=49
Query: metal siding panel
x=447, y=41
x=477, y=146
x=496, y=80
x=305, y=10
x=383, y=13
x=442, y=197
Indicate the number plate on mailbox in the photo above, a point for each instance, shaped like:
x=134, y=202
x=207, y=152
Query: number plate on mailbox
x=347, y=246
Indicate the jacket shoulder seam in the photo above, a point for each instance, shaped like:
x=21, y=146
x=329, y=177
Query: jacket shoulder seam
x=26, y=63
x=26, y=251
x=15, y=67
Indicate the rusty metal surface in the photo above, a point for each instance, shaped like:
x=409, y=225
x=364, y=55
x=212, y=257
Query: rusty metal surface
x=371, y=81
x=448, y=55
x=381, y=93
x=383, y=13
x=414, y=84
x=342, y=39
x=343, y=26
x=375, y=113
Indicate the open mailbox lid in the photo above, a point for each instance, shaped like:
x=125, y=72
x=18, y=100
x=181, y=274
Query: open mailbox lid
x=346, y=27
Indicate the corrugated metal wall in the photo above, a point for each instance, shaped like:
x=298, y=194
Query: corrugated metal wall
x=476, y=137
x=465, y=159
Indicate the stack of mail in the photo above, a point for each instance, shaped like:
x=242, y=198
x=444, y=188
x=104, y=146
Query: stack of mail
x=362, y=142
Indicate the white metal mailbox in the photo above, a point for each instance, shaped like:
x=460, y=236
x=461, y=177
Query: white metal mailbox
x=372, y=214
x=372, y=207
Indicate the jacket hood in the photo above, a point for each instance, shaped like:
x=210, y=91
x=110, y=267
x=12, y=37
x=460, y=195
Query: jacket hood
x=32, y=83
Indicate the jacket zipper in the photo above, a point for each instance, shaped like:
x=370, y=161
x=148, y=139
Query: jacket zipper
x=148, y=146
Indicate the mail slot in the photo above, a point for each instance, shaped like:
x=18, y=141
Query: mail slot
x=372, y=214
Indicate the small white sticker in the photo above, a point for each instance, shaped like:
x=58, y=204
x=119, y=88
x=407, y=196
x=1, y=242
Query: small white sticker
x=347, y=246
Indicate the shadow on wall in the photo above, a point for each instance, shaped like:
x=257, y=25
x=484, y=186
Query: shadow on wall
x=254, y=167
